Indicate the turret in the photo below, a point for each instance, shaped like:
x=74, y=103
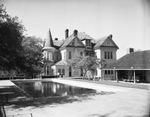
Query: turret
x=48, y=44
x=48, y=52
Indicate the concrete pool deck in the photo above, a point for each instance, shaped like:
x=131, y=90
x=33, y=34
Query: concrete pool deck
x=124, y=102
x=5, y=83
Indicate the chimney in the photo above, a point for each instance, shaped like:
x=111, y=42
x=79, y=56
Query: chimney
x=75, y=33
x=131, y=50
x=110, y=36
x=66, y=33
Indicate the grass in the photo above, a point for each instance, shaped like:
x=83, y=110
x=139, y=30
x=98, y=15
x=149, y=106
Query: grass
x=43, y=101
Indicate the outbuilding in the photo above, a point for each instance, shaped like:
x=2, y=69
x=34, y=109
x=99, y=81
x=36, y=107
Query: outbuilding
x=133, y=67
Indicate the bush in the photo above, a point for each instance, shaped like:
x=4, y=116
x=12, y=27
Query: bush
x=56, y=76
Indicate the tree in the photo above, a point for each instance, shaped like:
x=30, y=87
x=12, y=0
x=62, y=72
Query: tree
x=11, y=35
x=31, y=62
x=87, y=63
x=17, y=52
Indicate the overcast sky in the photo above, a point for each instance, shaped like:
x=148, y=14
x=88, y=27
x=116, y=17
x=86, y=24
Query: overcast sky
x=127, y=20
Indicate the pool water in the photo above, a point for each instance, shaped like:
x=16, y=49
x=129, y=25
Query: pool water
x=39, y=89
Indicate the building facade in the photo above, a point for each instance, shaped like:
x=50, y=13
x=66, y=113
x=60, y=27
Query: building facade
x=106, y=49
x=57, y=52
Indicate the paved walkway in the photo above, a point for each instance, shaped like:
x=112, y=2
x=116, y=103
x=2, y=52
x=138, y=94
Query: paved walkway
x=5, y=83
x=119, y=83
x=124, y=102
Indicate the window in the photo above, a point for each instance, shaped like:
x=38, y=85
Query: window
x=59, y=71
x=64, y=55
x=105, y=55
x=88, y=42
x=69, y=54
x=95, y=54
x=48, y=70
x=87, y=54
x=63, y=71
x=50, y=56
x=105, y=71
x=81, y=53
x=111, y=55
x=108, y=72
x=47, y=56
x=96, y=73
x=91, y=54
x=111, y=71
x=108, y=55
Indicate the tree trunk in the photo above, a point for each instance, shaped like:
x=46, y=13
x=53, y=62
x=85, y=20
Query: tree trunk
x=84, y=74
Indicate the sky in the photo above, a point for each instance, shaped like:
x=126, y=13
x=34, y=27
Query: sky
x=127, y=20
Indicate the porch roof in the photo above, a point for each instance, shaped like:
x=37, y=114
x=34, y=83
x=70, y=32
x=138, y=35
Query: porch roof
x=61, y=62
x=134, y=61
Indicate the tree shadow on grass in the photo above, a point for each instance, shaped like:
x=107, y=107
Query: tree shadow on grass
x=101, y=115
x=41, y=102
x=22, y=100
x=111, y=114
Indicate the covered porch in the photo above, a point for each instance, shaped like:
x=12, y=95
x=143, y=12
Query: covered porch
x=60, y=68
x=132, y=75
x=133, y=67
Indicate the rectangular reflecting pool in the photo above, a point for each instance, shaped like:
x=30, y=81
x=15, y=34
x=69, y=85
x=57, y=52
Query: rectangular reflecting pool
x=39, y=89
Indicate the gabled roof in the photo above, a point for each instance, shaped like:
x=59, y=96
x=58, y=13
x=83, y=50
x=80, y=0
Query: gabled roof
x=68, y=41
x=100, y=42
x=58, y=43
x=83, y=35
x=135, y=60
x=48, y=44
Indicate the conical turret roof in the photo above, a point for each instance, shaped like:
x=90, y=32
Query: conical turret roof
x=48, y=45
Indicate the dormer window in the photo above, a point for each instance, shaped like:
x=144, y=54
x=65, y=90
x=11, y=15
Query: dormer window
x=88, y=43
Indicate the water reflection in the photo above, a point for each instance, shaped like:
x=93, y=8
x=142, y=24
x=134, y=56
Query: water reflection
x=46, y=89
x=38, y=86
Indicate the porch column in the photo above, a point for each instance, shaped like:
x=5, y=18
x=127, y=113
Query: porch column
x=134, y=76
x=102, y=75
x=116, y=75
